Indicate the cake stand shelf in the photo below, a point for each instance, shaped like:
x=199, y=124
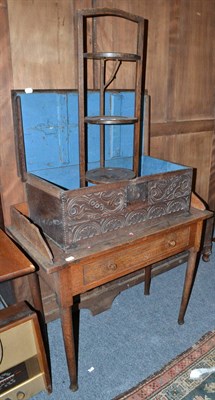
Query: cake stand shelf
x=106, y=173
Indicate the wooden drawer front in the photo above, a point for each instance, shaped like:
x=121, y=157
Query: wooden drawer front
x=124, y=261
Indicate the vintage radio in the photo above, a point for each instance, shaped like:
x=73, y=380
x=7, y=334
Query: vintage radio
x=23, y=363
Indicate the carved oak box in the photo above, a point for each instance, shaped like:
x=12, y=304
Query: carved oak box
x=72, y=216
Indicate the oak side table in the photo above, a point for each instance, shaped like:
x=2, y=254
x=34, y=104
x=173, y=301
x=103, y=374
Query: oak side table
x=80, y=270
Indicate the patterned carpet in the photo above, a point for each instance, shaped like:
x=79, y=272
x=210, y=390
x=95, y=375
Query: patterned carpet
x=173, y=381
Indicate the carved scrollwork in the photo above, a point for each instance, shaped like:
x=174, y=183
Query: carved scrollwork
x=178, y=205
x=157, y=211
x=90, y=206
x=136, y=217
x=169, y=189
x=86, y=231
x=97, y=213
x=112, y=224
x=101, y=226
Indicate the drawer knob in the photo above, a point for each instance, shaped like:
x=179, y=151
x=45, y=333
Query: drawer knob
x=112, y=267
x=172, y=243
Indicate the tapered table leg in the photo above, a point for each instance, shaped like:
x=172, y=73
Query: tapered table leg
x=68, y=336
x=189, y=278
x=147, y=280
x=208, y=239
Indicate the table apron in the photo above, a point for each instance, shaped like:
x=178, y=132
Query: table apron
x=95, y=271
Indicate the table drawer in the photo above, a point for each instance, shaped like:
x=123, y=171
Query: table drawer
x=121, y=262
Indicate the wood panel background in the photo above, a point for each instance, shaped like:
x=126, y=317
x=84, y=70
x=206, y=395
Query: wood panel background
x=38, y=50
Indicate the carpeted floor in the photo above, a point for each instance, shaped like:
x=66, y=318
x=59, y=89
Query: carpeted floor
x=173, y=380
x=139, y=335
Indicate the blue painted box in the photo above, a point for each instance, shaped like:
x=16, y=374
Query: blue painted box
x=74, y=216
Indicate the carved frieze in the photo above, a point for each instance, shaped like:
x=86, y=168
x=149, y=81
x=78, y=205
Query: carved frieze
x=72, y=217
x=97, y=213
